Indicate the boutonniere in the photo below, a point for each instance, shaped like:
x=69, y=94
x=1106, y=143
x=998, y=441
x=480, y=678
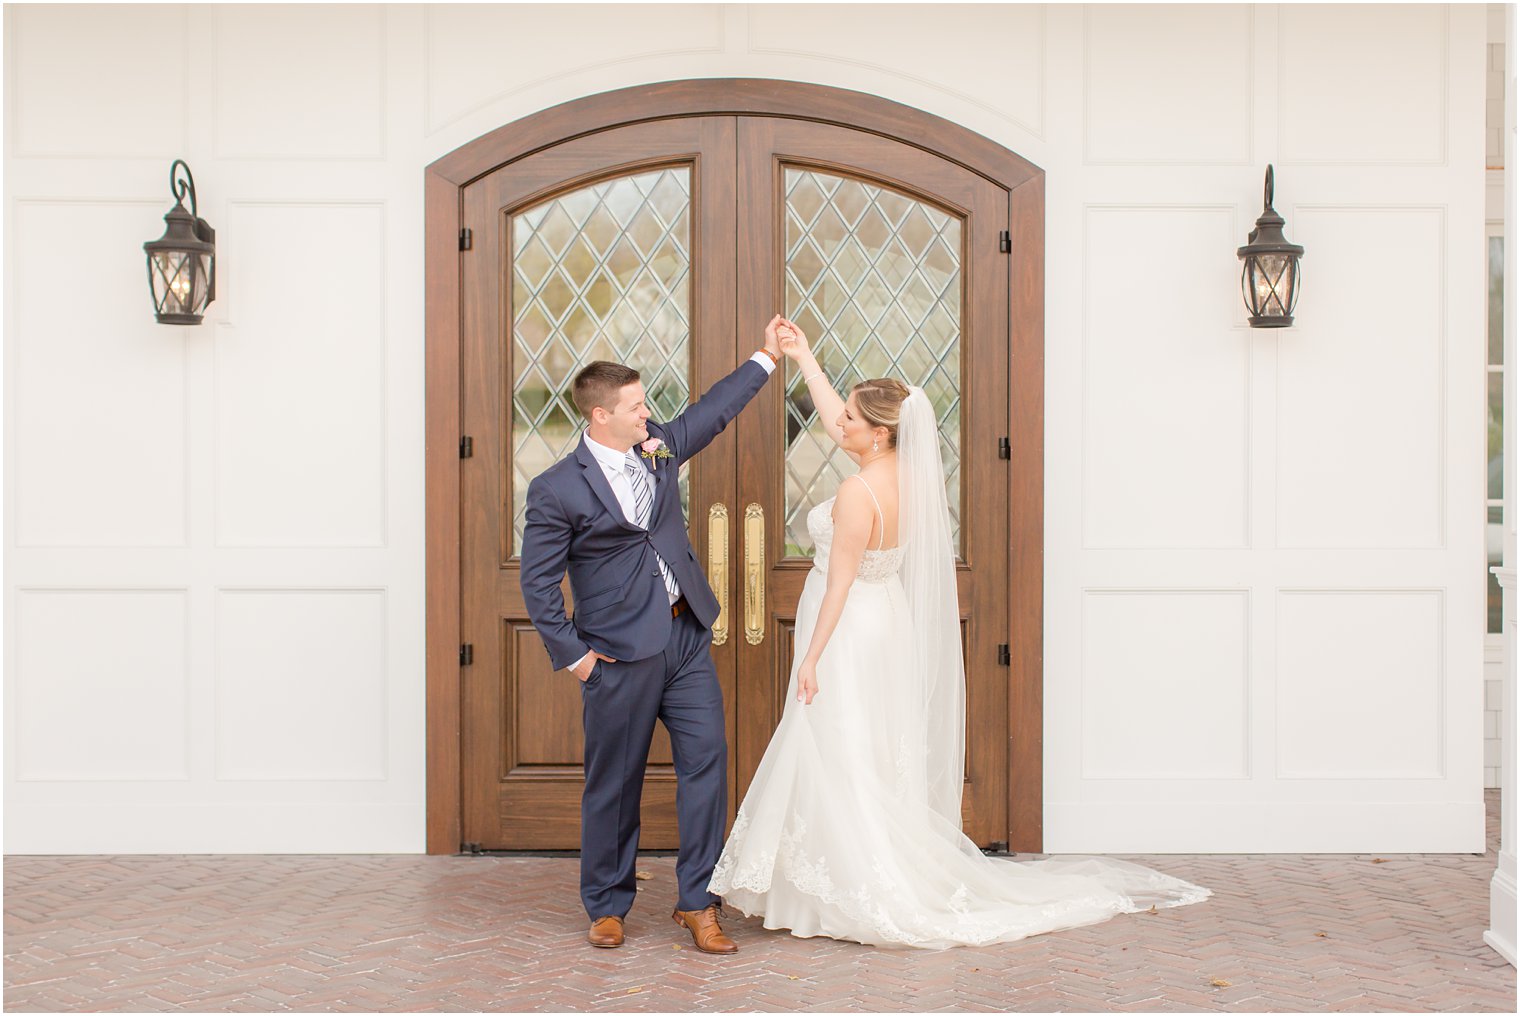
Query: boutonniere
x=653, y=450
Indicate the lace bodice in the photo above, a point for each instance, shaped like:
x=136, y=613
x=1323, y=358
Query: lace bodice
x=875, y=565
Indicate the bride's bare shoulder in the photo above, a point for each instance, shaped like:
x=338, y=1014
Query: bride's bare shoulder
x=882, y=478
x=853, y=499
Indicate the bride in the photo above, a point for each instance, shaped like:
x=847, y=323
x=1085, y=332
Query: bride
x=851, y=828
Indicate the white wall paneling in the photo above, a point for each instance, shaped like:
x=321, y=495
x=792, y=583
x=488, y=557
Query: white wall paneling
x=1004, y=43
x=1332, y=471
x=250, y=460
x=1165, y=462
x=319, y=72
x=480, y=54
x=1242, y=526
x=1164, y=684
x=1168, y=84
x=1366, y=89
x=300, y=393
x=99, y=406
x=300, y=684
x=1361, y=427
x=101, y=685
x=1361, y=688
x=105, y=82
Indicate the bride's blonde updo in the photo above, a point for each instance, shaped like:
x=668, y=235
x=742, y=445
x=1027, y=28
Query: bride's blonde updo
x=880, y=400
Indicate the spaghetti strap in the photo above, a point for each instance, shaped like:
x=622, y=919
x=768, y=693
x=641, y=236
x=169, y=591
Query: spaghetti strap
x=883, y=537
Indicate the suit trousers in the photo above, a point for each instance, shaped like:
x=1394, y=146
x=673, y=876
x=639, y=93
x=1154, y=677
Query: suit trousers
x=619, y=704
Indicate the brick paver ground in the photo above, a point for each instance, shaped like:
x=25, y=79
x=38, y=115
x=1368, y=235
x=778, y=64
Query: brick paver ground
x=1321, y=933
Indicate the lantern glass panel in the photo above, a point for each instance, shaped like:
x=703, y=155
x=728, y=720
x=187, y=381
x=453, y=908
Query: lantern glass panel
x=181, y=281
x=1270, y=282
x=202, y=284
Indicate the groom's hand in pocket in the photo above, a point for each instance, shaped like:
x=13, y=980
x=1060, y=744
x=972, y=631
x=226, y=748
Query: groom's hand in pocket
x=583, y=669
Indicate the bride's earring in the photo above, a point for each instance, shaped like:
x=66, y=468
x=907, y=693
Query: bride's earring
x=874, y=446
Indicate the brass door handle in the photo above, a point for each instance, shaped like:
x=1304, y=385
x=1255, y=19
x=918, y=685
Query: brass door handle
x=754, y=574
x=717, y=566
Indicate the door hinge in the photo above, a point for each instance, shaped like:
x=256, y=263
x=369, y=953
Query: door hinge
x=1004, y=659
x=1005, y=242
x=467, y=239
x=466, y=655
x=467, y=447
x=1005, y=451
x=470, y=848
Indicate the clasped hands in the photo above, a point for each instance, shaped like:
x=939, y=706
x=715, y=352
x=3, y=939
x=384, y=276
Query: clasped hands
x=783, y=336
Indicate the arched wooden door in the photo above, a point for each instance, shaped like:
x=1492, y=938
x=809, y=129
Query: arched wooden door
x=667, y=244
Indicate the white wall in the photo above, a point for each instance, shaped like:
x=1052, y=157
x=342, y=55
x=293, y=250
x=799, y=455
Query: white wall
x=1263, y=606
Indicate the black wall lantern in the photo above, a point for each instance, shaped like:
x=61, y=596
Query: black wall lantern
x=1269, y=281
x=182, y=262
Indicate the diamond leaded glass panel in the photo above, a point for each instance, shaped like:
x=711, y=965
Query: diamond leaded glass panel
x=874, y=279
x=600, y=273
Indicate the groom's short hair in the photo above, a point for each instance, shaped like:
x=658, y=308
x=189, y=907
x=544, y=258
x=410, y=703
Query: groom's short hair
x=598, y=385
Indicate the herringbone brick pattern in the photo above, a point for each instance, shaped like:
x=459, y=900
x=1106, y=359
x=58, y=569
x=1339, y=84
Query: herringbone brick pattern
x=1321, y=933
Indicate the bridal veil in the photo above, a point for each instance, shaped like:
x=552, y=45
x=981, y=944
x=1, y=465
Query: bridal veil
x=928, y=577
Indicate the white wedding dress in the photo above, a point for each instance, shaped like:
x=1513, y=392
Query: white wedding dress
x=840, y=834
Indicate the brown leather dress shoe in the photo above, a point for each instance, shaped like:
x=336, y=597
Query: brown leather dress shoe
x=705, y=932
x=606, y=932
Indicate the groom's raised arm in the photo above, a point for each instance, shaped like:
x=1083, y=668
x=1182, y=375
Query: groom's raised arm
x=705, y=419
x=545, y=550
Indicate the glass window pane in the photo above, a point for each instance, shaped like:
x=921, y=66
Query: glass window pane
x=1496, y=299
x=1495, y=436
x=601, y=273
x=874, y=279
x=1495, y=532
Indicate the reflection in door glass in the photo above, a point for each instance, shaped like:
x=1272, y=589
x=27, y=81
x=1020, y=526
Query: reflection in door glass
x=874, y=279
x=1495, y=450
x=600, y=273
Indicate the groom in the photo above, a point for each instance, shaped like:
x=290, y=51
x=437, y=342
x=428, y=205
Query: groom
x=610, y=513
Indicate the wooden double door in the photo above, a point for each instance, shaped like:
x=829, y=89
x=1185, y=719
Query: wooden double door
x=667, y=245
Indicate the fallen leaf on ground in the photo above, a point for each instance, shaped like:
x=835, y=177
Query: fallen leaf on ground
x=791, y=977
x=642, y=876
x=634, y=991
x=1320, y=934
x=1380, y=860
x=1220, y=982
x=1152, y=910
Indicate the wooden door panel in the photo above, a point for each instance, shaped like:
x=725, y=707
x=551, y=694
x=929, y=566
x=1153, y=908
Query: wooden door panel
x=804, y=251
x=520, y=722
x=586, y=250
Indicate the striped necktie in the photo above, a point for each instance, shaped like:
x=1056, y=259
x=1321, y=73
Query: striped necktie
x=643, y=505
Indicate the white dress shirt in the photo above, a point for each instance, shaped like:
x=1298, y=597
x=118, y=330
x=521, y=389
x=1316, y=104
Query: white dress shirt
x=614, y=464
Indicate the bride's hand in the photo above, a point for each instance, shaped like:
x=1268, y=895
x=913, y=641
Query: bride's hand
x=807, y=683
x=793, y=342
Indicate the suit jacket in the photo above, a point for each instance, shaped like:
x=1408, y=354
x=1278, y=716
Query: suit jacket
x=574, y=522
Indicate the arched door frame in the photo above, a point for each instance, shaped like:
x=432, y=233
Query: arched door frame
x=444, y=185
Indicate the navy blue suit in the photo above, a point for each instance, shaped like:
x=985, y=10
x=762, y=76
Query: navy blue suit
x=664, y=668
